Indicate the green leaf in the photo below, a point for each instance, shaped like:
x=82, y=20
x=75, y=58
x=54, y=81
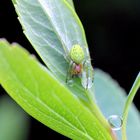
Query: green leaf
x=111, y=99
x=53, y=27
x=13, y=121
x=14, y=1
x=38, y=92
x=70, y=2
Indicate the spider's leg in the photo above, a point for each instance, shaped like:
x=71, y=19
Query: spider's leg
x=69, y=72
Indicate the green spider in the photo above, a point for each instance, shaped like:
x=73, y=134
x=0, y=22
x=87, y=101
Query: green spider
x=80, y=66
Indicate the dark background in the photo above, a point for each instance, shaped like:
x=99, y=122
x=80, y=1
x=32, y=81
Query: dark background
x=113, y=33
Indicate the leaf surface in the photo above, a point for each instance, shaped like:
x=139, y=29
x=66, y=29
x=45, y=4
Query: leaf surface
x=70, y=2
x=111, y=99
x=38, y=92
x=53, y=28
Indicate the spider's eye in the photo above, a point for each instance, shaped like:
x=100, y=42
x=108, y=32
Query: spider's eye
x=77, y=54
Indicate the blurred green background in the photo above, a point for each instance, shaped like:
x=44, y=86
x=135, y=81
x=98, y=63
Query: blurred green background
x=113, y=33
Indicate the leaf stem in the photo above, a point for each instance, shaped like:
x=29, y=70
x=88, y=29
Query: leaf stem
x=129, y=100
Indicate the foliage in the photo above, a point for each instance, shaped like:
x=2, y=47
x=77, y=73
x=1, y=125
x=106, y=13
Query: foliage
x=53, y=27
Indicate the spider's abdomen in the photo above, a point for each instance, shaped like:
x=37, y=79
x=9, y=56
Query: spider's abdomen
x=77, y=69
x=77, y=54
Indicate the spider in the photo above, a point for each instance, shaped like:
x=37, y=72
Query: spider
x=80, y=66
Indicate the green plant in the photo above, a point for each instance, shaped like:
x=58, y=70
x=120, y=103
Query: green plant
x=53, y=27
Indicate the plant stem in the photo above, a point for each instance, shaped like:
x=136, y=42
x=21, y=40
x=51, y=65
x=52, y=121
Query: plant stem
x=129, y=100
x=97, y=112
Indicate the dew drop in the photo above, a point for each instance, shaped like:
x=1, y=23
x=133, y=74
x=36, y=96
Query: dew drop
x=70, y=82
x=87, y=75
x=90, y=82
x=115, y=122
x=86, y=82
